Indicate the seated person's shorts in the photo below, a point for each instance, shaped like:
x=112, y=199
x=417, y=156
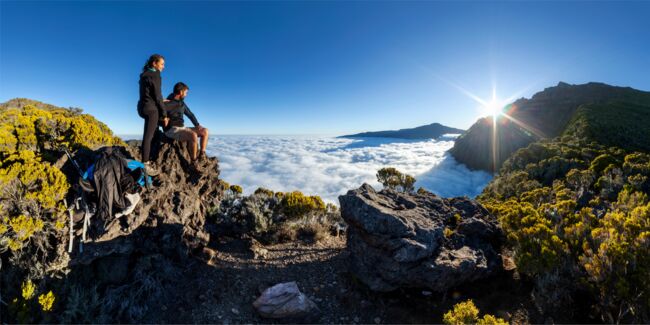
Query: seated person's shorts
x=180, y=133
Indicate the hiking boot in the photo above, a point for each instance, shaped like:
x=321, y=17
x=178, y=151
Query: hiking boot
x=150, y=169
x=196, y=167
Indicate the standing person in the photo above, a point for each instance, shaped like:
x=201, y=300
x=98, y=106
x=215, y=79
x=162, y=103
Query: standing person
x=176, y=129
x=150, y=106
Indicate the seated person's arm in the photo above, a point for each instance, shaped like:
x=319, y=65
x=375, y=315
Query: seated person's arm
x=192, y=118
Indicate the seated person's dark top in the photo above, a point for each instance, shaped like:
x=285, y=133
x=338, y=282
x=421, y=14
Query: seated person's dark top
x=176, y=108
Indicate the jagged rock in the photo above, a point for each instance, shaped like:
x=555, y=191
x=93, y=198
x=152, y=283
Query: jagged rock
x=284, y=300
x=398, y=240
x=181, y=195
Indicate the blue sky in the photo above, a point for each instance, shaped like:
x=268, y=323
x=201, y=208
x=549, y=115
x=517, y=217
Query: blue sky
x=316, y=67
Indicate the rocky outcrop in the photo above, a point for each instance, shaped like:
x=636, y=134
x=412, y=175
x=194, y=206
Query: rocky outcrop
x=400, y=240
x=135, y=256
x=180, y=195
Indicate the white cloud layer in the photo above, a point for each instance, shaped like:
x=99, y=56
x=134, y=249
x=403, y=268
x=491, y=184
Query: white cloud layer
x=329, y=167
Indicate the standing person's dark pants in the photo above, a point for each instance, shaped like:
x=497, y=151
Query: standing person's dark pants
x=150, y=117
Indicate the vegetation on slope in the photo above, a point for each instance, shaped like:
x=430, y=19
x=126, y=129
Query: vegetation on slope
x=30, y=186
x=275, y=217
x=32, y=190
x=576, y=211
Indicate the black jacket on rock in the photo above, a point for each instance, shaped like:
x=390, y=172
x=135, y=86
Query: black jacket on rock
x=150, y=95
x=176, y=108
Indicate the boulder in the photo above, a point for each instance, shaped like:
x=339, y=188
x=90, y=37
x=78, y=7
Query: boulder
x=284, y=300
x=399, y=240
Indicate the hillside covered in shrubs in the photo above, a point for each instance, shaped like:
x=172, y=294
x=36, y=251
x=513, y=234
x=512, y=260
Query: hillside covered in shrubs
x=33, y=187
x=575, y=210
x=32, y=184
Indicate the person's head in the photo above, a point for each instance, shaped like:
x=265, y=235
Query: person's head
x=180, y=90
x=156, y=61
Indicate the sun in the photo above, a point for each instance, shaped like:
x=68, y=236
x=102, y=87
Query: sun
x=493, y=108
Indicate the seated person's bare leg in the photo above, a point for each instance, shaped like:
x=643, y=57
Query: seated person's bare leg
x=203, y=134
x=193, y=146
x=204, y=139
x=189, y=136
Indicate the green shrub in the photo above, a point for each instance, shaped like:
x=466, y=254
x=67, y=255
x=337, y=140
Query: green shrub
x=297, y=205
x=265, y=191
x=589, y=225
x=393, y=179
x=601, y=162
x=236, y=189
x=617, y=262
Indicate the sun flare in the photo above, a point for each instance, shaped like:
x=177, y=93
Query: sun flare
x=493, y=108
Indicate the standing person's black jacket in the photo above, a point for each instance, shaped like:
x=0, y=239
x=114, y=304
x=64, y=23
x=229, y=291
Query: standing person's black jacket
x=150, y=95
x=176, y=108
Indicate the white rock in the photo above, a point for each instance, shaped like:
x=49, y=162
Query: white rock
x=283, y=300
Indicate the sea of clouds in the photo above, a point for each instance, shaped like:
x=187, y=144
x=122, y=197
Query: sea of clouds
x=329, y=166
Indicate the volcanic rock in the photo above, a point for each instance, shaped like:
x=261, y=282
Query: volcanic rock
x=180, y=197
x=401, y=240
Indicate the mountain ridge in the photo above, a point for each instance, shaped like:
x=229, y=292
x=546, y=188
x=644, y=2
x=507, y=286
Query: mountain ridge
x=429, y=131
x=547, y=114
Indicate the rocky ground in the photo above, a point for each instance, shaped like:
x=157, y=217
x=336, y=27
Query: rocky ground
x=168, y=264
x=192, y=282
x=220, y=286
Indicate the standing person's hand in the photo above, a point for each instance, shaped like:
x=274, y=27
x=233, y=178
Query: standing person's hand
x=165, y=121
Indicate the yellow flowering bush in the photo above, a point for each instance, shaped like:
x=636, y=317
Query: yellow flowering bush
x=32, y=190
x=35, y=180
x=28, y=289
x=466, y=313
x=46, y=301
x=617, y=260
x=30, y=187
x=265, y=191
x=588, y=220
x=31, y=128
x=296, y=204
x=236, y=189
x=24, y=308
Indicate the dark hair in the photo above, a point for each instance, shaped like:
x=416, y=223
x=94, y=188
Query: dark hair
x=152, y=59
x=179, y=86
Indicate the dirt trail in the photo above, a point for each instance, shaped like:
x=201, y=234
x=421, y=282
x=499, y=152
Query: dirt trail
x=221, y=288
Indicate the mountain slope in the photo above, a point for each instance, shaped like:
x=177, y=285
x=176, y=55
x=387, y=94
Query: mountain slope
x=430, y=131
x=545, y=115
x=576, y=211
x=622, y=124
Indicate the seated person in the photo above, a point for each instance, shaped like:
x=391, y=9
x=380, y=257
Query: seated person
x=175, y=129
